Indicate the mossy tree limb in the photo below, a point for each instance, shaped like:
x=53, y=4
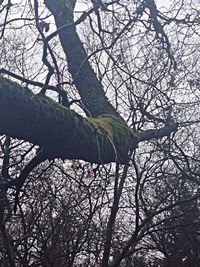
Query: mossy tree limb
x=61, y=132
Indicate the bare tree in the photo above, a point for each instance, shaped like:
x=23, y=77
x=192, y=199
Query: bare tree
x=99, y=123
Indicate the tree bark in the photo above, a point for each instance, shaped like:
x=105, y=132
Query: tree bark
x=59, y=131
x=84, y=77
x=63, y=133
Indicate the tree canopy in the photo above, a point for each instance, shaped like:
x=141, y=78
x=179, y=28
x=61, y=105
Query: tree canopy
x=70, y=135
x=103, y=84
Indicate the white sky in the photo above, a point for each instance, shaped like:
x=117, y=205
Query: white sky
x=160, y=3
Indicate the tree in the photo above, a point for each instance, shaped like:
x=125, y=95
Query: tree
x=123, y=76
x=66, y=128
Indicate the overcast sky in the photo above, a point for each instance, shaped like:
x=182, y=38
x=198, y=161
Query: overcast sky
x=160, y=3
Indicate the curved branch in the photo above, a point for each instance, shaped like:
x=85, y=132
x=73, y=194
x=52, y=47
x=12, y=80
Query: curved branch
x=19, y=181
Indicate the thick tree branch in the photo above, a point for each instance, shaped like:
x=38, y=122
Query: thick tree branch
x=63, y=133
x=60, y=131
x=149, y=134
x=84, y=77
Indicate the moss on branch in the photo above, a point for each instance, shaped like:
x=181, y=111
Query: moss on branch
x=60, y=131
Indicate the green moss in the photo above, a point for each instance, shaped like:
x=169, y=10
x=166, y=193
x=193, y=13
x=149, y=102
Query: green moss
x=113, y=131
x=7, y=82
x=112, y=126
x=108, y=135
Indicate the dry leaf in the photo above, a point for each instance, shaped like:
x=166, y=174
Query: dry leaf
x=197, y=20
x=171, y=83
x=75, y=165
x=114, y=32
x=44, y=26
